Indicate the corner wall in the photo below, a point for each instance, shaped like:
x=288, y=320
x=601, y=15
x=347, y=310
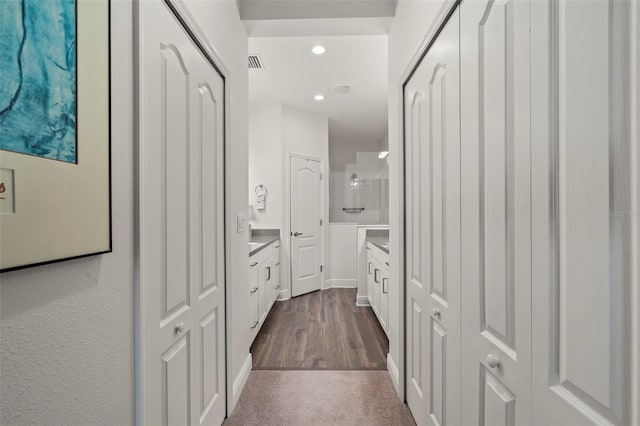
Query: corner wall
x=412, y=22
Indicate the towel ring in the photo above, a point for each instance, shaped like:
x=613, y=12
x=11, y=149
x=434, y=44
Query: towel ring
x=260, y=190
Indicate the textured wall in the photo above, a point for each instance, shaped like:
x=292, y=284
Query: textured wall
x=66, y=332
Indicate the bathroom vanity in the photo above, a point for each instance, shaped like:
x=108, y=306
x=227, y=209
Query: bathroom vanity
x=378, y=275
x=264, y=278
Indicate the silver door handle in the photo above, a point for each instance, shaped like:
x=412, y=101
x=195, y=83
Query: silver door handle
x=179, y=328
x=278, y=264
x=493, y=361
x=253, y=290
x=297, y=234
x=435, y=313
x=255, y=324
x=254, y=264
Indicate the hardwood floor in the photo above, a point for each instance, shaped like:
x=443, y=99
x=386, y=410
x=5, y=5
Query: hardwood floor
x=321, y=330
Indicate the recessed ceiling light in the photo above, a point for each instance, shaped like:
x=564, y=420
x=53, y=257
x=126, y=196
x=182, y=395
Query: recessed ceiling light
x=319, y=97
x=318, y=50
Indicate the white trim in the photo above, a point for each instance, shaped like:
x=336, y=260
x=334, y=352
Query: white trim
x=241, y=380
x=634, y=135
x=340, y=283
x=283, y=295
x=362, y=300
x=394, y=373
x=323, y=229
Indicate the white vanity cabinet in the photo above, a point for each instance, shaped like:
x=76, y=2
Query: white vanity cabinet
x=264, y=284
x=378, y=283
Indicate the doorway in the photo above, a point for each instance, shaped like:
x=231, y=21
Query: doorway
x=305, y=201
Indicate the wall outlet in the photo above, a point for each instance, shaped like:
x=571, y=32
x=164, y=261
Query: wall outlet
x=242, y=223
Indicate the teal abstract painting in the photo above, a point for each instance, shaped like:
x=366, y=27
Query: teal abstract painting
x=38, y=78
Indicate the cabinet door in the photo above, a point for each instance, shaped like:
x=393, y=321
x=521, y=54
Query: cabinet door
x=384, y=299
x=264, y=291
x=370, y=268
x=496, y=225
x=585, y=252
x=254, y=287
x=432, y=149
x=377, y=282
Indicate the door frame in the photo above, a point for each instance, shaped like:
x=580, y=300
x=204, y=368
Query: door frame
x=398, y=371
x=211, y=54
x=286, y=239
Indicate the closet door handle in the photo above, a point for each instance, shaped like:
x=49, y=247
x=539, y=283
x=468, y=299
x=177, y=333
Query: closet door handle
x=253, y=290
x=493, y=361
x=435, y=313
x=384, y=285
x=254, y=264
x=255, y=324
x=297, y=234
x=278, y=264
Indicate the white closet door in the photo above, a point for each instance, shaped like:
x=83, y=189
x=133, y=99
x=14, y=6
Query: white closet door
x=182, y=226
x=582, y=217
x=496, y=225
x=432, y=128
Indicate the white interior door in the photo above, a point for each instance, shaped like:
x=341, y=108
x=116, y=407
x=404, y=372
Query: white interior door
x=583, y=217
x=306, y=211
x=432, y=128
x=496, y=224
x=181, y=220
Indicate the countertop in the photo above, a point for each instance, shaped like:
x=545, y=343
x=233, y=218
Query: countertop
x=264, y=237
x=379, y=238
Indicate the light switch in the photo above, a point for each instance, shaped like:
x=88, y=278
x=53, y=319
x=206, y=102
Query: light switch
x=242, y=223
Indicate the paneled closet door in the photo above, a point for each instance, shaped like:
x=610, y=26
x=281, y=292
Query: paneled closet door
x=182, y=226
x=496, y=225
x=432, y=146
x=583, y=192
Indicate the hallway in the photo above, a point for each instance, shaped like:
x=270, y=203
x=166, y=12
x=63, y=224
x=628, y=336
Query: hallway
x=320, y=398
x=300, y=358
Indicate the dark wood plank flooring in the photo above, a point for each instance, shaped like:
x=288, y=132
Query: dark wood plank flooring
x=321, y=330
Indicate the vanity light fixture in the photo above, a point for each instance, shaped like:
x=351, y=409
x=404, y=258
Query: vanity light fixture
x=319, y=97
x=318, y=50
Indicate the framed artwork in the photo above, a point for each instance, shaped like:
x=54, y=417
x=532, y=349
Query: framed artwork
x=55, y=163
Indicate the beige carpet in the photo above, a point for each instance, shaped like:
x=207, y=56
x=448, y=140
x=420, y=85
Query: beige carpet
x=319, y=398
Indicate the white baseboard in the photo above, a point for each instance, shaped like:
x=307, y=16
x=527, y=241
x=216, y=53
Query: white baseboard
x=241, y=380
x=283, y=295
x=394, y=373
x=341, y=283
x=362, y=300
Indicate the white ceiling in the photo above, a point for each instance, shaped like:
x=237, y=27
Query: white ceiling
x=293, y=75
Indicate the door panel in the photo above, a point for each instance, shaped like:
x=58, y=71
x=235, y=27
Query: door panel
x=432, y=147
x=182, y=225
x=306, y=241
x=175, y=384
x=582, y=254
x=496, y=224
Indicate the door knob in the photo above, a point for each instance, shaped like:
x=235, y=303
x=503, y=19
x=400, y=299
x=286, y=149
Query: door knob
x=179, y=327
x=296, y=234
x=435, y=313
x=493, y=361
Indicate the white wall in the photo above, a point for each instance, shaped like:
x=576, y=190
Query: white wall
x=66, y=330
x=265, y=162
x=293, y=131
x=305, y=134
x=342, y=263
x=410, y=26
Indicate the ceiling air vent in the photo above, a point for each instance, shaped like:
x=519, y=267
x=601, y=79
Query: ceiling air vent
x=255, y=62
